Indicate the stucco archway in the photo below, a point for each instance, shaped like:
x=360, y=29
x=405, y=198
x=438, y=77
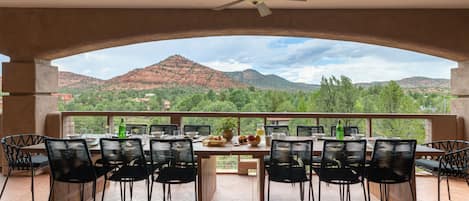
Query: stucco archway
x=54, y=33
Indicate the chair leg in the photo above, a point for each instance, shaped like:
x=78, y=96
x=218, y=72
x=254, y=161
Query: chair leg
x=319, y=191
x=32, y=183
x=195, y=190
x=147, y=182
x=94, y=190
x=368, y=188
x=51, y=190
x=131, y=187
x=341, y=193
x=411, y=191
x=125, y=190
x=5, y=183
x=447, y=184
x=301, y=191
x=169, y=191
x=439, y=180
x=82, y=192
x=151, y=187
x=364, y=191
x=104, y=187
x=122, y=193
x=310, y=192
x=268, y=189
x=164, y=192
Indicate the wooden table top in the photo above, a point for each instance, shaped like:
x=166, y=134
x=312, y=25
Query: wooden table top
x=230, y=149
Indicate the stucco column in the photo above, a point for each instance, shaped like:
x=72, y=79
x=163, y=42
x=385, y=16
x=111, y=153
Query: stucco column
x=460, y=88
x=30, y=86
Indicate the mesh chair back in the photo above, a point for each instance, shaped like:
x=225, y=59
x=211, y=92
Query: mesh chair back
x=392, y=161
x=348, y=130
x=136, y=129
x=344, y=154
x=16, y=158
x=456, y=164
x=167, y=129
x=203, y=130
x=276, y=129
x=172, y=152
x=70, y=160
x=128, y=152
x=308, y=130
x=288, y=160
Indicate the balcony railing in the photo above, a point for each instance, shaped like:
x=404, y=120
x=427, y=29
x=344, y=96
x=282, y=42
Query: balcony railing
x=436, y=126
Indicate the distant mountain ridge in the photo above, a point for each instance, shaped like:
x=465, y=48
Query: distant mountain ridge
x=261, y=81
x=178, y=71
x=77, y=81
x=417, y=83
x=174, y=71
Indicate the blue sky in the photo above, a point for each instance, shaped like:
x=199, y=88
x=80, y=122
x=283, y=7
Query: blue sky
x=296, y=59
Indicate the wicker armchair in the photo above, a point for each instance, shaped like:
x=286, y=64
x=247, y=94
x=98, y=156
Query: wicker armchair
x=453, y=164
x=20, y=160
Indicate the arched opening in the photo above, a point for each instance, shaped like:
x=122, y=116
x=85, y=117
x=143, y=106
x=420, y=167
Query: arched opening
x=290, y=70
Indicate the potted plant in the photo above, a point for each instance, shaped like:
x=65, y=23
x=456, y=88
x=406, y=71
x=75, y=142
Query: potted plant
x=226, y=127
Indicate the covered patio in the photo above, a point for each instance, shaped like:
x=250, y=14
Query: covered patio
x=34, y=33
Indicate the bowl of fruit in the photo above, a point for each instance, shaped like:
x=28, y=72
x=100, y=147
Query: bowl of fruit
x=254, y=140
x=214, y=141
x=242, y=139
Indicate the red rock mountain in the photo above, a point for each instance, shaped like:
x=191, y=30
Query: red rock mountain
x=77, y=81
x=174, y=71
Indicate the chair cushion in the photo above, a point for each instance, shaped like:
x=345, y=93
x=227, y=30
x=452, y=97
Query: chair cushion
x=287, y=174
x=385, y=175
x=39, y=161
x=431, y=165
x=130, y=173
x=338, y=175
x=173, y=175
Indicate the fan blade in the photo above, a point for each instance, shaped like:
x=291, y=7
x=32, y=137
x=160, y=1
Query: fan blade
x=263, y=9
x=228, y=5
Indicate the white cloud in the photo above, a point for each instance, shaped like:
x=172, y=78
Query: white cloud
x=228, y=66
x=367, y=69
x=297, y=59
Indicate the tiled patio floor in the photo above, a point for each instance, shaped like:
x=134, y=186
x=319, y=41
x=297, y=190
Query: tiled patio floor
x=233, y=188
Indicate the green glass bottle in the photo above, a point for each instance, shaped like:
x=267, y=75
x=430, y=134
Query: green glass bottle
x=122, y=130
x=339, y=131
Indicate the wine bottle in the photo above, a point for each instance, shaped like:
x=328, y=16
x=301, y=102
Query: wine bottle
x=339, y=131
x=122, y=130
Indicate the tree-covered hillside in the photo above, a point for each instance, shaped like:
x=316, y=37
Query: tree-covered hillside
x=334, y=95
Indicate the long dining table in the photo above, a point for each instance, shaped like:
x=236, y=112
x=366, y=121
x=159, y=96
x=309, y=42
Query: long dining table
x=207, y=173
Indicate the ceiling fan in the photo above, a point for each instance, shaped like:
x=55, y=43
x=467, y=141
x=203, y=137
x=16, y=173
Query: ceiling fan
x=262, y=8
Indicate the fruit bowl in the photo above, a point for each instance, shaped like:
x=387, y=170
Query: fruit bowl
x=214, y=141
x=254, y=140
x=242, y=139
x=254, y=143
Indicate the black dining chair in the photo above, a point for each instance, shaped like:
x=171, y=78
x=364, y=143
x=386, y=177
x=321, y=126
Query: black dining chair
x=18, y=159
x=136, y=129
x=308, y=130
x=348, y=130
x=454, y=163
x=343, y=163
x=289, y=161
x=276, y=129
x=126, y=159
x=204, y=130
x=392, y=162
x=70, y=162
x=168, y=129
x=174, y=160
